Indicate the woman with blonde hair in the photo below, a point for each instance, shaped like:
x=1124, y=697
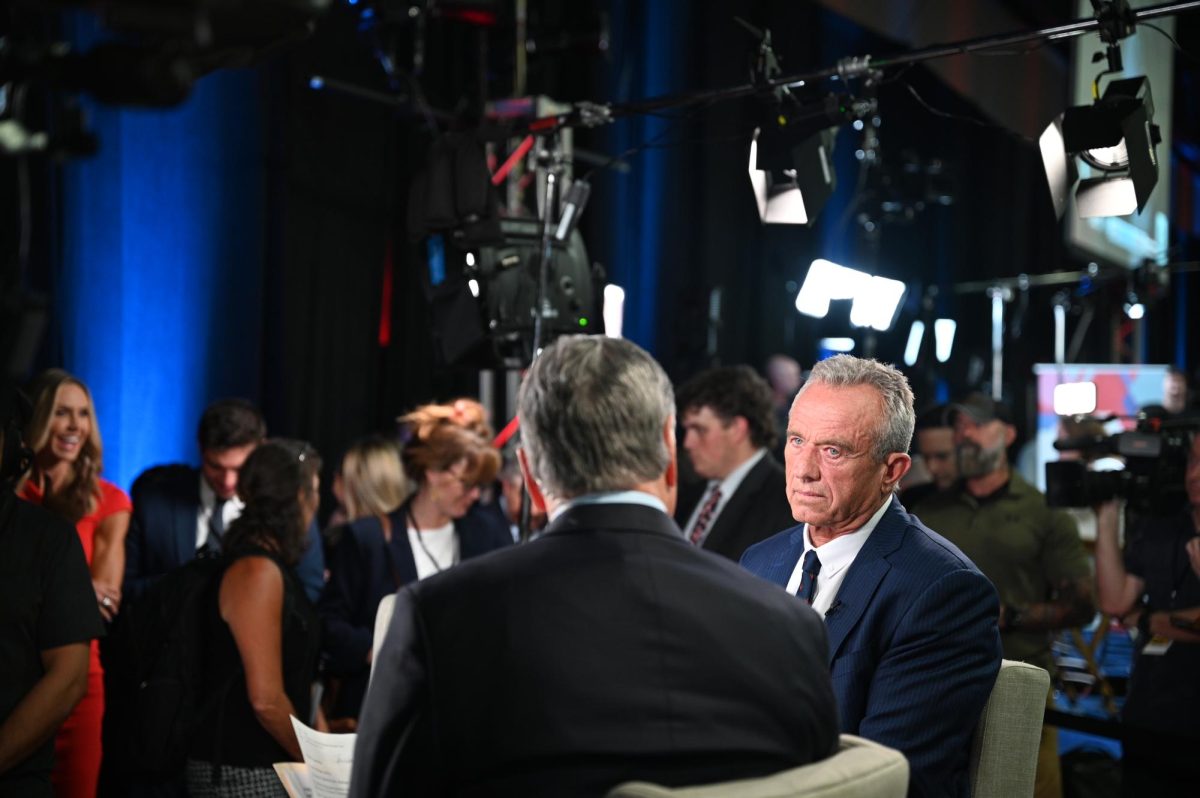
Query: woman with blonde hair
x=373, y=482
x=381, y=550
x=65, y=478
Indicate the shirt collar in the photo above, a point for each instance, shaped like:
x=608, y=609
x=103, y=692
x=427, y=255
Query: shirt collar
x=208, y=499
x=841, y=551
x=610, y=497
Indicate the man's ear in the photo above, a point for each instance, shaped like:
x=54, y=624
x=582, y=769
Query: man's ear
x=1010, y=435
x=536, y=500
x=671, y=476
x=894, y=468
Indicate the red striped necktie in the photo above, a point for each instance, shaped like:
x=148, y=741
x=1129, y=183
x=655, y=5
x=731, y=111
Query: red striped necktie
x=706, y=515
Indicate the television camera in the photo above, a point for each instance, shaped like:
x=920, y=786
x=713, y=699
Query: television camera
x=1155, y=455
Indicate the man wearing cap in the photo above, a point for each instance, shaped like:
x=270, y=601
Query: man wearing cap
x=1030, y=552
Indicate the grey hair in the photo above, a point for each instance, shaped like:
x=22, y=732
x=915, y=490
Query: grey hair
x=895, y=430
x=593, y=411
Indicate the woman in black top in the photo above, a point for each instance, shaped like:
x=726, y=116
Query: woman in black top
x=262, y=632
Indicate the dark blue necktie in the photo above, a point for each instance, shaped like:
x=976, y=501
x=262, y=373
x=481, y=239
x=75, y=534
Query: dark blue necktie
x=808, y=580
x=216, y=526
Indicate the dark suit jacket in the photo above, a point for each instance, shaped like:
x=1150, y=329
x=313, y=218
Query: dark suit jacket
x=913, y=645
x=758, y=509
x=607, y=649
x=162, y=531
x=361, y=574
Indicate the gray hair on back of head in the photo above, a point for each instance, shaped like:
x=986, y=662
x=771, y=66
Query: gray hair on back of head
x=895, y=430
x=592, y=412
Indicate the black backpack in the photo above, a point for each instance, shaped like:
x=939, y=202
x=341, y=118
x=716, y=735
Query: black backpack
x=153, y=657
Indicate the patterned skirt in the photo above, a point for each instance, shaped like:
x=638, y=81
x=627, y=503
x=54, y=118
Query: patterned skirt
x=234, y=782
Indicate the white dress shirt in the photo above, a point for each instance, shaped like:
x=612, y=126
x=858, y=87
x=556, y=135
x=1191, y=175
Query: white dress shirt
x=729, y=486
x=434, y=550
x=835, y=557
x=610, y=497
x=230, y=511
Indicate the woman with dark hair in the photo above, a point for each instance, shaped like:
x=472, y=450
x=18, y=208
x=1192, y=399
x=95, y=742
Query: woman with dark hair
x=262, y=632
x=449, y=460
x=65, y=479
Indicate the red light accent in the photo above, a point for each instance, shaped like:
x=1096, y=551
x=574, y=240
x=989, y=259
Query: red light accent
x=385, y=299
x=545, y=123
x=473, y=17
x=512, y=161
x=506, y=434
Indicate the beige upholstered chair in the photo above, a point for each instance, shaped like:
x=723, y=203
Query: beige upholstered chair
x=860, y=769
x=1005, y=746
x=383, y=618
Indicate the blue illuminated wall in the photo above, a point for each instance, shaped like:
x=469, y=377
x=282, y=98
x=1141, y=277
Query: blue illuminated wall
x=159, y=296
x=649, y=64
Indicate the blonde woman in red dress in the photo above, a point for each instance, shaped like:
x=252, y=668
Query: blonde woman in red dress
x=65, y=478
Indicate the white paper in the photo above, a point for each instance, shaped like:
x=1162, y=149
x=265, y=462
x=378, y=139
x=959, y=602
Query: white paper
x=294, y=776
x=328, y=757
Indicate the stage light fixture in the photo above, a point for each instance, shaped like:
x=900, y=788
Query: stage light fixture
x=1075, y=398
x=1135, y=309
x=839, y=345
x=874, y=300
x=614, y=310
x=912, y=349
x=792, y=180
x=943, y=338
x=1116, y=138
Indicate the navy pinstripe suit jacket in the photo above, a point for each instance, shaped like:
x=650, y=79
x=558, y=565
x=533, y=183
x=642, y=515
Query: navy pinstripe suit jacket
x=913, y=644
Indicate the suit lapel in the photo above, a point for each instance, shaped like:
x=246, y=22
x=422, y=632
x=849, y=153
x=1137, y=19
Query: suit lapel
x=733, y=514
x=399, y=549
x=689, y=497
x=186, y=517
x=864, y=577
x=788, y=548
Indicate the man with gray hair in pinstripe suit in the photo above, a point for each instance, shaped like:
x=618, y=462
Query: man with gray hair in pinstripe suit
x=913, y=644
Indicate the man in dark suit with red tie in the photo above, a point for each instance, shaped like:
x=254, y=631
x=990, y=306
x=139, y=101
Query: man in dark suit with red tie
x=913, y=643
x=606, y=650
x=727, y=415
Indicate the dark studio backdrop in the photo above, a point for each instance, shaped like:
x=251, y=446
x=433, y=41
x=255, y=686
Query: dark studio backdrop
x=254, y=240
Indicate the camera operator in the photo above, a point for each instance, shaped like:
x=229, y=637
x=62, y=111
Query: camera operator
x=1155, y=588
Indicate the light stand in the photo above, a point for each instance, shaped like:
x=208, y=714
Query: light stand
x=551, y=160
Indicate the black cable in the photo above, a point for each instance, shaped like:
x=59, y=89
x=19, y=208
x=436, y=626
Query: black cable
x=895, y=76
x=1173, y=41
x=648, y=143
x=944, y=114
x=963, y=118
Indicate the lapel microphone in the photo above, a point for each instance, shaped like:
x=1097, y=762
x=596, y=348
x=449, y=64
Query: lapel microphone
x=834, y=607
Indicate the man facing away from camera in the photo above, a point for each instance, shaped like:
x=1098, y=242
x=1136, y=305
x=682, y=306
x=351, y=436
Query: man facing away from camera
x=609, y=648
